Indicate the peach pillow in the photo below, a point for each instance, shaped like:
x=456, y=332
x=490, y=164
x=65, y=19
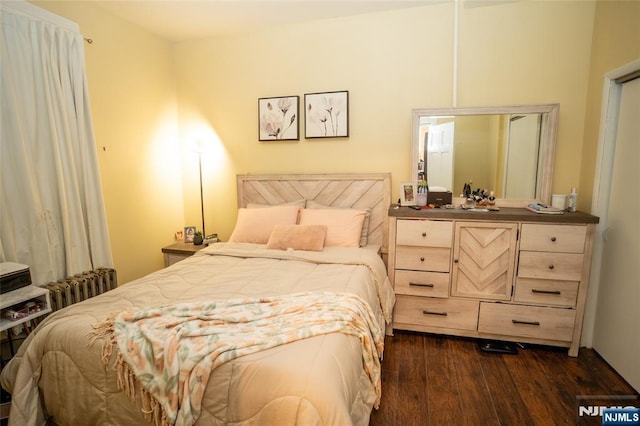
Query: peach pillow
x=255, y=225
x=364, y=236
x=344, y=226
x=298, y=237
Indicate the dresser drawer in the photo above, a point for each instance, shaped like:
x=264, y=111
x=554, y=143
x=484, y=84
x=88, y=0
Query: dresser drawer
x=425, y=233
x=423, y=258
x=445, y=313
x=433, y=284
x=550, y=266
x=527, y=321
x=554, y=238
x=546, y=292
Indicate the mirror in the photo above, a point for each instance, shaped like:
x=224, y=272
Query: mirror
x=508, y=150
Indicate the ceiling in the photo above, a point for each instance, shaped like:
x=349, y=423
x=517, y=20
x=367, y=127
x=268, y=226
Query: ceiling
x=183, y=20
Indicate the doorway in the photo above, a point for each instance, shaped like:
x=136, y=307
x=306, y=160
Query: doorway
x=617, y=202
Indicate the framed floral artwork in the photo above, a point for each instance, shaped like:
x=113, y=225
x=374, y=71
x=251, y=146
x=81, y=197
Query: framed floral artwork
x=278, y=118
x=326, y=114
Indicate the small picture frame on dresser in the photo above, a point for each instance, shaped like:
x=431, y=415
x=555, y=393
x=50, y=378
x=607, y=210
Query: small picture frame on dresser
x=408, y=194
x=189, y=232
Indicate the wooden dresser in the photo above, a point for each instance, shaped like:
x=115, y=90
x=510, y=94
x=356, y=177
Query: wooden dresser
x=509, y=275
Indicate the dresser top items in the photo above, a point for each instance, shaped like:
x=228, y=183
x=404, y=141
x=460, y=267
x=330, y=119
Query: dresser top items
x=504, y=214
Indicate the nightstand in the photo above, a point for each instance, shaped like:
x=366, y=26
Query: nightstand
x=179, y=251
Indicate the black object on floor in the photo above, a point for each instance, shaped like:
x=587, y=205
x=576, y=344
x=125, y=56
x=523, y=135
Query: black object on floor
x=499, y=347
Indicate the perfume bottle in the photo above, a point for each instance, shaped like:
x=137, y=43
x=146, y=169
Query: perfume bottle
x=573, y=200
x=492, y=199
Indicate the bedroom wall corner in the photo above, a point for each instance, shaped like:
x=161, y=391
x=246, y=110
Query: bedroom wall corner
x=132, y=93
x=391, y=62
x=616, y=42
x=373, y=56
x=531, y=53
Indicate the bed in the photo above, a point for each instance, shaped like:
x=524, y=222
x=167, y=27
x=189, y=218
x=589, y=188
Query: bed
x=70, y=370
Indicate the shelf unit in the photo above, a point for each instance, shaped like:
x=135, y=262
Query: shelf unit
x=18, y=298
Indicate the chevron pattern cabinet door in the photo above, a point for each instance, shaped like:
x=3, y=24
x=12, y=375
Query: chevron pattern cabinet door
x=483, y=260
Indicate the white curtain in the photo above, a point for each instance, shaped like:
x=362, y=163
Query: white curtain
x=52, y=215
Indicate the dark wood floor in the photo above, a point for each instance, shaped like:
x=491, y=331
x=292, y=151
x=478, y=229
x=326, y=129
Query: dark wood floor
x=441, y=380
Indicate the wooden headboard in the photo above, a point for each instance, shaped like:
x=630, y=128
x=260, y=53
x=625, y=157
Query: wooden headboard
x=357, y=190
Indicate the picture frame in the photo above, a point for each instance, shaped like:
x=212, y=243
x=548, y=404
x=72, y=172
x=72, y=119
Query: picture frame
x=189, y=232
x=326, y=114
x=278, y=119
x=408, y=194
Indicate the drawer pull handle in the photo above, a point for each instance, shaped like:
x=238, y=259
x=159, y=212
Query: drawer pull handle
x=425, y=312
x=515, y=321
x=553, y=239
x=534, y=290
x=421, y=284
x=422, y=259
x=550, y=266
x=424, y=234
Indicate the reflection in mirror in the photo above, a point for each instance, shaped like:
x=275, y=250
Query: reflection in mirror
x=507, y=150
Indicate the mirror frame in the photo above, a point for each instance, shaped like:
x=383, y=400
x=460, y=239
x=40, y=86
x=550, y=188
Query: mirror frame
x=548, y=137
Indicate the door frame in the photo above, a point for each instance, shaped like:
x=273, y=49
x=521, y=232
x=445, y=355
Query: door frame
x=612, y=92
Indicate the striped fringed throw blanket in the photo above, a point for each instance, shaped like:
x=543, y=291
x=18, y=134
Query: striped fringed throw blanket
x=165, y=348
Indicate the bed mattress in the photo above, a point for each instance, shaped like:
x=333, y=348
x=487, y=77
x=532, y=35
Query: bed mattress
x=58, y=376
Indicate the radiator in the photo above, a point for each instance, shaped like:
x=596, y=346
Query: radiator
x=81, y=287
